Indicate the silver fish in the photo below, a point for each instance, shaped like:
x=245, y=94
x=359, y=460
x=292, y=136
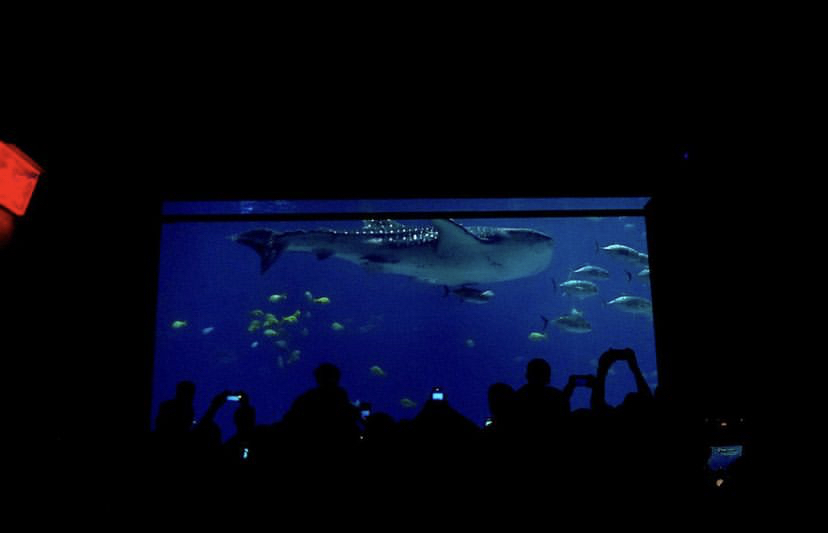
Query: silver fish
x=632, y=304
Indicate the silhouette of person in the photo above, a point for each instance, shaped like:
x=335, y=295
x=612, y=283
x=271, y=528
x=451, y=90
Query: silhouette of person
x=176, y=416
x=381, y=431
x=539, y=406
x=637, y=402
x=497, y=438
x=578, y=380
x=381, y=444
x=172, y=442
x=323, y=416
x=631, y=444
x=179, y=437
x=243, y=447
x=501, y=398
x=439, y=423
x=441, y=441
x=207, y=434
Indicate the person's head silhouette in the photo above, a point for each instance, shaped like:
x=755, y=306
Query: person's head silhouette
x=176, y=416
x=327, y=375
x=185, y=392
x=538, y=372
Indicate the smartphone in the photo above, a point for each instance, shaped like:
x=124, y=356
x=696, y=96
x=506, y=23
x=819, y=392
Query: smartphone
x=437, y=394
x=364, y=410
x=722, y=456
x=233, y=397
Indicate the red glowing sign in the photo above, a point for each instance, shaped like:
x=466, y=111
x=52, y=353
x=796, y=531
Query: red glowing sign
x=18, y=177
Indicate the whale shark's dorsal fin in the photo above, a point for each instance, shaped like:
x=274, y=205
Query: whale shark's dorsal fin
x=453, y=236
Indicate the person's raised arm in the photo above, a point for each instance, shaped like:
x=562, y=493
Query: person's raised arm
x=598, y=401
x=218, y=401
x=578, y=380
x=569, y=388
x=640, y=381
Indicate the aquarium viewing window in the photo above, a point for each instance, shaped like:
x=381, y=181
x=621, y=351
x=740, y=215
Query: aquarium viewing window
x=402, y=295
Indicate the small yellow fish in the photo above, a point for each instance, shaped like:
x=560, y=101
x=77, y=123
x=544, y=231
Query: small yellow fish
x=324, y=300
x=276, y=298
x=178, y=324
x=255, y=325
x=336, y=326
x=377, y=371
x=408, y=403
x=270, y=320
x=537, y=337
x=270, y=333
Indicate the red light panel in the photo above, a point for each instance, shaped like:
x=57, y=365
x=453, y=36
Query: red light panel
x=18, y=177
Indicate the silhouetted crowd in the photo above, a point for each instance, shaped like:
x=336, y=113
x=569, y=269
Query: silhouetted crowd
x=531, y=433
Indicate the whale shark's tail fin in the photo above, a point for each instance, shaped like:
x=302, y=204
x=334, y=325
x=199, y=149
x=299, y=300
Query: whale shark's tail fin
x=265, y=242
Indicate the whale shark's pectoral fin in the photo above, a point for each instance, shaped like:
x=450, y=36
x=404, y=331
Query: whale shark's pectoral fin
x=377, y=262
x=379, y=259
x=453, y=237
x=265, y=242
x=323, y=253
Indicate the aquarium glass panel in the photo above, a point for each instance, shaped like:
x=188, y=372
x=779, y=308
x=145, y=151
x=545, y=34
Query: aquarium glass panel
x=399, y=306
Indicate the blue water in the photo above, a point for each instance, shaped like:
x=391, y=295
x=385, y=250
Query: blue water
x=418, y=337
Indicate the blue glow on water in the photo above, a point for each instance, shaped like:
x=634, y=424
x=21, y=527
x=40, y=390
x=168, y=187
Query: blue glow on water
x=410, y=330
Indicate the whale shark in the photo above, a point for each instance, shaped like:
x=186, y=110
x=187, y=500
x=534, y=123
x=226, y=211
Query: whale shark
x=444, y=253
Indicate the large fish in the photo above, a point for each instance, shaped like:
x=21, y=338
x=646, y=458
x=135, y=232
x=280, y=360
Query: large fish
x=579, y=288
x=470, y=294
x=632, y=304
x=444, y=253
x=574, y=322
x=626, y=254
